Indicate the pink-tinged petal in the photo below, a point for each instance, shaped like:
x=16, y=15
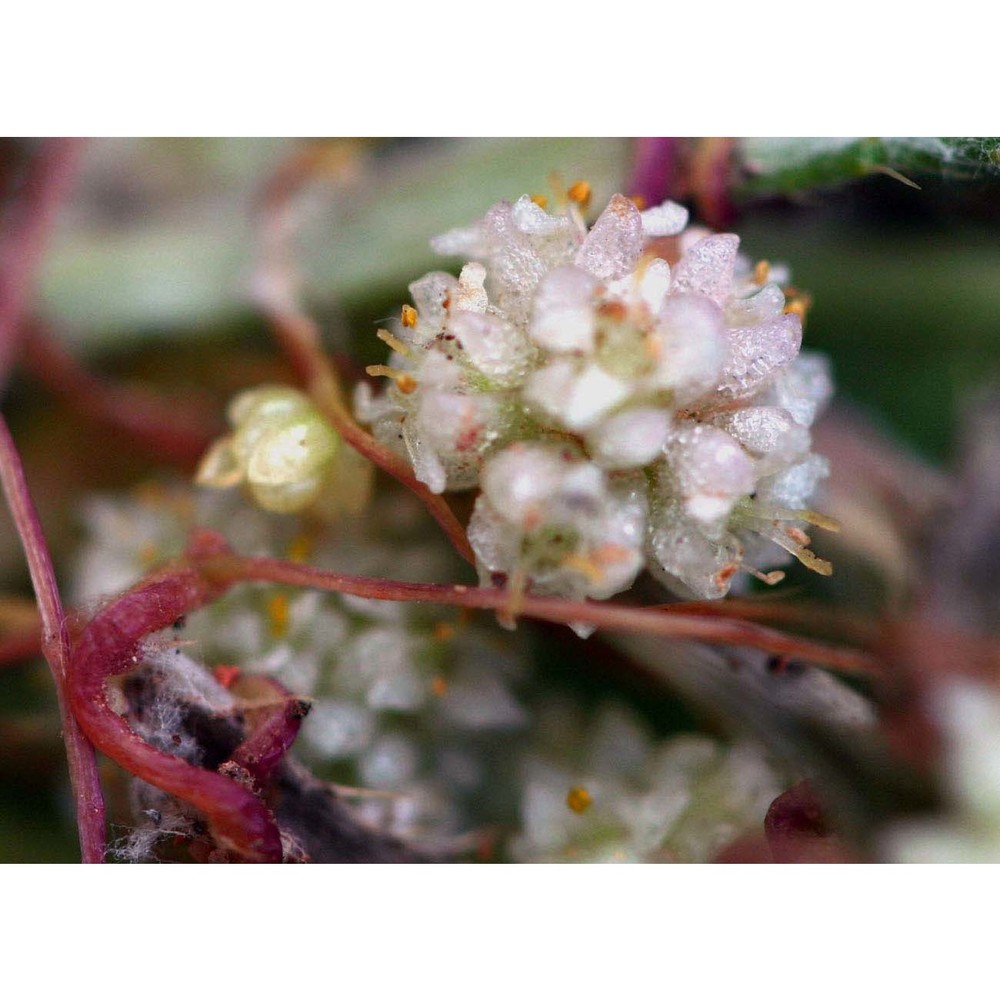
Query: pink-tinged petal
x=758, y=352
x=712, y=472
x=431, y=296
x=515, y=267
x=689, y=344
x=465, y=241
x=532, y=219
x=652, y=284
x=563, y=314
x=667, y=219
x=614, y=244
x=574, y=395
x=493, y=345
x=769, y=433
x=630, y=439
x=707, y=268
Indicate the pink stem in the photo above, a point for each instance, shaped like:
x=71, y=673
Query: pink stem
x=655, y=169
x=273, y=729
x=228, y=569
x=55, y=645
x=111, y=644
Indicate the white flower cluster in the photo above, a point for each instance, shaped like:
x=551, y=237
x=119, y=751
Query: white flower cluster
x=625, y=396
x=414, y=706
x=604, y=789
x=437, y=721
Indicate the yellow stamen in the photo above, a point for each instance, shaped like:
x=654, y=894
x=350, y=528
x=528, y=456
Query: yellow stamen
x=394, y=342
x=517, y=584
x=409, y=316
x=790, y=537
x=812, y=561
x=810, y=517
x=883, y=168
x=579, y=799
x=277, y=615
x=760, y=272
x=586, y=566
x=540, y=200
x=405, y=382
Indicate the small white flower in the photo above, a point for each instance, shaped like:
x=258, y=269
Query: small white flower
x=555, y=519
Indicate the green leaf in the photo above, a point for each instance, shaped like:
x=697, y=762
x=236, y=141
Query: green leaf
x=160, y=239
x=789, y=165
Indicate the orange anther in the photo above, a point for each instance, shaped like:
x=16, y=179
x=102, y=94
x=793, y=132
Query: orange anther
x=443, y=631
x=439, y=686
x=277, y=614
x=406, y=383
x=799, y=304
x=579, y=192
x=540, y=200
x=638, y=201
x=760, y=272
x=579, y=799
x=726, y=574
x=613, y=310
x=797, y=535
x=409, y=316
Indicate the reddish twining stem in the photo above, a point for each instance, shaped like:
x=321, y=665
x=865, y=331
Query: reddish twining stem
x=55, y=646
x=272, y=730
x=111, y=644
x=226, y=569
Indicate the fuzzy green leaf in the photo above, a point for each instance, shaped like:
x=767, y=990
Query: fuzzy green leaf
x=789, y=165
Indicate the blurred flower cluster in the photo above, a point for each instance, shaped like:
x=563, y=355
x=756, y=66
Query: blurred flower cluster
x=434, y=727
